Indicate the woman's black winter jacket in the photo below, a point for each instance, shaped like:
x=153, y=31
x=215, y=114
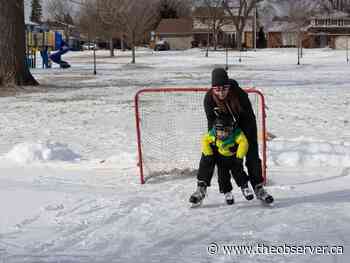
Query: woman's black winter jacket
x=246, y=117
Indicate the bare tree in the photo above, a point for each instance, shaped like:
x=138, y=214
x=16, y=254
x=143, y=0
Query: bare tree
x=61, y=11
x=13, y=69
x=216, y=19
x=240, y=12
x=299, y=15
x=341, y=5
x=183, y=8
x=175, y=8
x=89, y=22
x=110, y=17
x=137, y=18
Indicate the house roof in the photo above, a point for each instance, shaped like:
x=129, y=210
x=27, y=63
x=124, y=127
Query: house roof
x=175, y=26
x=330, y=31
x=334, y=14
x=281, y=26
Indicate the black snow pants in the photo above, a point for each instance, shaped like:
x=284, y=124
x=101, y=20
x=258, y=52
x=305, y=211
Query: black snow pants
x=253, y=162
x=227, y=167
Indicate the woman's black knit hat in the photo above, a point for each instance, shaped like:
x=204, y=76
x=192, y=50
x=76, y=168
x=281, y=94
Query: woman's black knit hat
x=219, y=77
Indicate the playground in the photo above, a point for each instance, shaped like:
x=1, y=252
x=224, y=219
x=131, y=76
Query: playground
x=51, y=47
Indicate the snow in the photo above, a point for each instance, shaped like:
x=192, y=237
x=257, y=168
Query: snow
x=310, y=154
x=26, y=153
x=69, y=181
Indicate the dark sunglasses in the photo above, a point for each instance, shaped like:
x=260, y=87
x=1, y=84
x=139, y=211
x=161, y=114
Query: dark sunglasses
x=221, y=88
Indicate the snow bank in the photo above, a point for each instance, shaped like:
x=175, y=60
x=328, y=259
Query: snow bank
x=27, y=152
x=304, y=153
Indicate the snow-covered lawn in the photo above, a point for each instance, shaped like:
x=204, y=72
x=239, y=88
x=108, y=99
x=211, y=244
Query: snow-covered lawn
x=60, y=203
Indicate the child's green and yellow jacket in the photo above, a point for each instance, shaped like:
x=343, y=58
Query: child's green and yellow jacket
x=236, y=144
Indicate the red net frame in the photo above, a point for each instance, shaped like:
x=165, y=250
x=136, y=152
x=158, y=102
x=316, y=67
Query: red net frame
x=262, y=123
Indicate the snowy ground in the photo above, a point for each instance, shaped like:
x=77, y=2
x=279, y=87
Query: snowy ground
x=59, y=203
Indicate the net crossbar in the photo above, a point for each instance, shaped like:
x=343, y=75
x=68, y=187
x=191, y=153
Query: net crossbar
x=170, y=123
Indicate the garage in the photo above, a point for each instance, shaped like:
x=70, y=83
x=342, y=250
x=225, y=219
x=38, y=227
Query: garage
x=341, y=42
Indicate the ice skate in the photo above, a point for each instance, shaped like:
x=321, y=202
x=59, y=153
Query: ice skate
x=262, y=195
x=197, y=197
x=247, y=192
x=229, y=198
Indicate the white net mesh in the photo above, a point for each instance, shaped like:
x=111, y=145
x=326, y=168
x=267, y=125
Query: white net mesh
x=172, y=124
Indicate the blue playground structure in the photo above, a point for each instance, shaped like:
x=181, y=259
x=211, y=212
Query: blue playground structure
x=63, y=48
x=51, y=47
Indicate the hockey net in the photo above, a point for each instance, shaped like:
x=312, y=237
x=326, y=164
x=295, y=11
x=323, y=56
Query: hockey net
x=170, y=123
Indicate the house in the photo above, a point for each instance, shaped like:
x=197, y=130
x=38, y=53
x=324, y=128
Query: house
x=177, y=32
x=281, y=34
x=284, y=34
x=201, y=31
x=226, y=34
x=332, y=31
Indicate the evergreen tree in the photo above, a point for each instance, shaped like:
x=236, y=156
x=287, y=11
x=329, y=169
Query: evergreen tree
x=261, y=42
x=36, y=14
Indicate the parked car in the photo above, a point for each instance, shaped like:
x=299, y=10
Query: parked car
x=89, y=46
x=161, y=45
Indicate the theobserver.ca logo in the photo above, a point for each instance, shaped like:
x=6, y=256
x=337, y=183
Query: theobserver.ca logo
x=263, y=249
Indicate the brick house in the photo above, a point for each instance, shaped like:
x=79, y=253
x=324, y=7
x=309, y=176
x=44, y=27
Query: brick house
x=177, y=32
x=227, y=31
x=330, y=31
x=281, y=34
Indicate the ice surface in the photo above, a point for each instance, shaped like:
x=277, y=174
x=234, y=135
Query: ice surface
x=78, y=197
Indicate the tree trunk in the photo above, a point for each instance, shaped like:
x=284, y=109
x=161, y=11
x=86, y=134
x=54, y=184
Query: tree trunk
x=301, y=45
x=111, y=47
x=13, y=69
x=122, y=42
x=214, y=32
x=239, y=39
x=133, y=47
x=298, y=44
x=208, y=40
x=133, y=54
x=215, y=39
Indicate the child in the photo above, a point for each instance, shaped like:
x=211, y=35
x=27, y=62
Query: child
x=225, y=145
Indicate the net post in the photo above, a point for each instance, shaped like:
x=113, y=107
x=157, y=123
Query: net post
x=138, y=132
x=263, y=124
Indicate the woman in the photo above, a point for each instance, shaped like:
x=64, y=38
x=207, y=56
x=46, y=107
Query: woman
x=227, y=97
